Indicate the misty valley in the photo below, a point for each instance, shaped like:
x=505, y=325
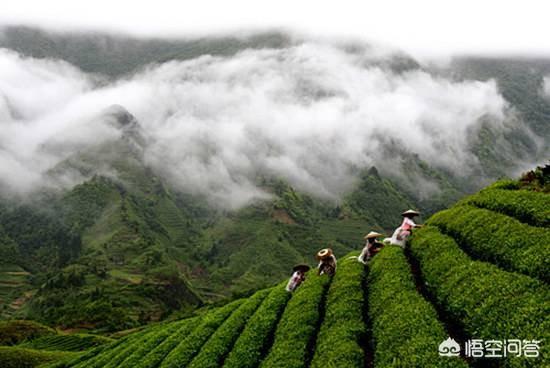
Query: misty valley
x=155, y=195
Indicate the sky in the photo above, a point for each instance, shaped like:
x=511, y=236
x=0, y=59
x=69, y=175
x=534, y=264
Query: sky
x=424, y=28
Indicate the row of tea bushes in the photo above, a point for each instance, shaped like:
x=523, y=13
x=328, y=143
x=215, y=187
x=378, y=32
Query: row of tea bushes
x=186, y=350
x=498, y=238
x=221, y=342
x=526, y=206
x=490, y=303
x=405, y=328
x=254, y=341
x=112, y=351
x=159, y=352
x=142, y=347
x=338, y=343
x=299, y=324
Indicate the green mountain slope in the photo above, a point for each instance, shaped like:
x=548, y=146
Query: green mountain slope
x=96, y=255
x=392, y=313
x=117, y=56
x=124, y=248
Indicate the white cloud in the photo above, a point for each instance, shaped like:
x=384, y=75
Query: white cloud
x=546, y=86
x=307, y=113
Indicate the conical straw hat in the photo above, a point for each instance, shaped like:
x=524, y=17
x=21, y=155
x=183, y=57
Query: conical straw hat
x=410, y=213
x=301, y=267
x=324, y=253
x=373, y=234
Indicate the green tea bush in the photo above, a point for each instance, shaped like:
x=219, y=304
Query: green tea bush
x=405, y=327
x=298, y=325
x=508, y=184
x=254, y=340
x=220, y=343
x=190, y=346
x=525, y=205
x=157, y=354
x=498, y=238
x=15, y=357
x=72, y=342
x=489, y=303
x=112, y=351
x=338, y=341
x=142, y=347
x=72, y=361
x=132, y=346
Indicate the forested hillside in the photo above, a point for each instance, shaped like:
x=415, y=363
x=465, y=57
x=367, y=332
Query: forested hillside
x=117, y=252
x=113, y=236
x=457, y=278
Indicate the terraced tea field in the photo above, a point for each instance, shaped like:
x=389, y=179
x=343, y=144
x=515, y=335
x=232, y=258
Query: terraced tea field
x=478, y=270
x=13, y=283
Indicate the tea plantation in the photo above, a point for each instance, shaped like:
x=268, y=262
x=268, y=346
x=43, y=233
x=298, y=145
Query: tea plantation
x=478, y=270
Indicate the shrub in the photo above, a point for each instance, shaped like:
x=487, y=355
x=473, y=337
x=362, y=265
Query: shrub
x=253, y=342
x=131, y=346
x=338, y=341
x=220, y=343
x=15, y=357
x=505, y=184
x=527, y=206
x=17, y=331
x=498, y=238
x=299, y=324
x=190, y=346
x=144, y=346
x=489, y=303
x=72, y=342
x=405, y=328
x=155, y=356
x=110, y=352
x=78, y=358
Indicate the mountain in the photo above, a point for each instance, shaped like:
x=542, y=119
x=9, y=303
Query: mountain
x=117, y=56
x=95, y=255
x=124, y=248
x=111, y=243
x=396, y=311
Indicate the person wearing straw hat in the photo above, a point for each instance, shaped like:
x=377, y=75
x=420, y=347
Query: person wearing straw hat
x=298, y=276
x=372, y=247
x=327, y=262
x=402, y=233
